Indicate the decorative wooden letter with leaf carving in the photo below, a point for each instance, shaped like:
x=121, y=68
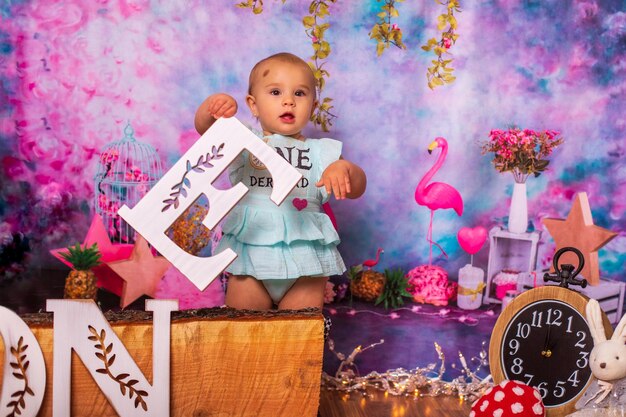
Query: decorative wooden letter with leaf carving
x=79, y=325
x=24, y=380
x=193, y=176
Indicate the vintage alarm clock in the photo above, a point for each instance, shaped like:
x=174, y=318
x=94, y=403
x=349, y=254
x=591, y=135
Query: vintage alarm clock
x=542, y=339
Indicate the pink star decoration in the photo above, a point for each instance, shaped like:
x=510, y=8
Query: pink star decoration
x=107, y=278
x=141, y=273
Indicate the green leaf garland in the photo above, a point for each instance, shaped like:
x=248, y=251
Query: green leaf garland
x=385, y=32
x=440, y=73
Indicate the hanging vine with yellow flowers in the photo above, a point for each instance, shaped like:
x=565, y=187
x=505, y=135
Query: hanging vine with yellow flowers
x=440, y=73
x=255, y=5
x=315, y=30
x=385, y=32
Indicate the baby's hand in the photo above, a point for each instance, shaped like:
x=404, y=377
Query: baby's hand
x=336, y=179
x=221, y=105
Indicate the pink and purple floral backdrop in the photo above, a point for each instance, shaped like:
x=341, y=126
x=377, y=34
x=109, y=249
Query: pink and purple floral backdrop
x=72, y=73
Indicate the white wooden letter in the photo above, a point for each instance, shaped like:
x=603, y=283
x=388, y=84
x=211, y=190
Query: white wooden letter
x=24, y=380
x=193, y=176
x=81, y=326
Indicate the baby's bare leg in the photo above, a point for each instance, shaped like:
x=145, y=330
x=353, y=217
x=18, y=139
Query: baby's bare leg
x=306, y=292
x=245, y=292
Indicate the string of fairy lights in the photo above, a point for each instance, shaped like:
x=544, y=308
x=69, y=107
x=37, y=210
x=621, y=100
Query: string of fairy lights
x=468, y=318
x=416, y=382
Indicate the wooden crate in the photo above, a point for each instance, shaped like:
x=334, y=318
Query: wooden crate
x=609, y=293
x=223, y=363
x=513, y=251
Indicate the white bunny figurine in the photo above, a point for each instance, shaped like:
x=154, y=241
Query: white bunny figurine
x=608, y=364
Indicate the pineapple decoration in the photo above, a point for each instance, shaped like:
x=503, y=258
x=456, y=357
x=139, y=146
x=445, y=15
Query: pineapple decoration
x=395, y=289
x=81, y=281
x=367, y=284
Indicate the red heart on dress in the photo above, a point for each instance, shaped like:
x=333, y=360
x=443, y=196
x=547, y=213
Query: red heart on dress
x=300, y=203
x=472, y=239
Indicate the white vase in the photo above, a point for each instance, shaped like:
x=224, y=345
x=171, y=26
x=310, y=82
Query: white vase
x=518, y=212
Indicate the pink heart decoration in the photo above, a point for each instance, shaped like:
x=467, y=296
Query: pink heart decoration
x=472, y=239
x=300, y=203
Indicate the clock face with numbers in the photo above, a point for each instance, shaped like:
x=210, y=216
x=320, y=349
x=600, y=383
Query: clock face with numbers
x=543, y=340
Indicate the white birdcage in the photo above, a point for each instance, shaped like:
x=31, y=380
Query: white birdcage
x=126, y=172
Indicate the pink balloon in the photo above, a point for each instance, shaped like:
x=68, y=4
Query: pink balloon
x=472, y=239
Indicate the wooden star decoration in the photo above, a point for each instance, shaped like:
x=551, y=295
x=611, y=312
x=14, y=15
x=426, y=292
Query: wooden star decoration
x=97, y=233
x=141, y=273
x=578, y=231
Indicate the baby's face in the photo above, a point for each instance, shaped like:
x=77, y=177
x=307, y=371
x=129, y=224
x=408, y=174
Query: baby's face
x=282, y=97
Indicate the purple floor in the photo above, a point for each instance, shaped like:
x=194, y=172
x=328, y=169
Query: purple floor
x=409, y=334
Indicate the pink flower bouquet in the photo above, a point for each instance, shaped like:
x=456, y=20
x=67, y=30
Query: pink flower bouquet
x=522, y=152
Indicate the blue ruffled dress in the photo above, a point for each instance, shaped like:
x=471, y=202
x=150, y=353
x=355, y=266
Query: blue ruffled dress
x=294, y=239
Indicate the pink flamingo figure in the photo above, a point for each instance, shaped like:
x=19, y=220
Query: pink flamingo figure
x=437, y=195
x=369, y=263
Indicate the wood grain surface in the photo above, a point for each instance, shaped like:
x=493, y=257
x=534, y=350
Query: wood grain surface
x=378, y=404
x=228, y=366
